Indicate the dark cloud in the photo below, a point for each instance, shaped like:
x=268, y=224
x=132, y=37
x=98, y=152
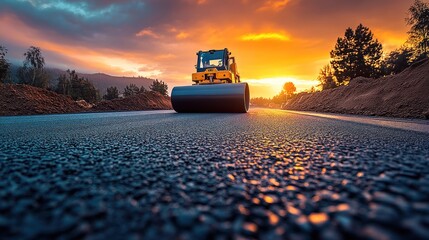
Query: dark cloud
x=110, y=20
x=89, y=22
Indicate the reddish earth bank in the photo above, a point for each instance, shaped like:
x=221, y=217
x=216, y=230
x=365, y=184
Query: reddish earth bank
x=146, y=101
x=403, y=95
x=28, y=100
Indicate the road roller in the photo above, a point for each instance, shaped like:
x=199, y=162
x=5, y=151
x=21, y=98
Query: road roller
x=216, y=86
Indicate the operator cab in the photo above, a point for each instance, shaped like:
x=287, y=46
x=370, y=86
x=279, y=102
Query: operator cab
x=213, y=59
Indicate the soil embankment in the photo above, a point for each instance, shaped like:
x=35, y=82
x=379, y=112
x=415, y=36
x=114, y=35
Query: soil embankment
x=403, y=95
x=146, y=101
x=27, y=100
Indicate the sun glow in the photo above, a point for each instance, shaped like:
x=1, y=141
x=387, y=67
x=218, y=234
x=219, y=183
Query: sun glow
x=268, y=87
x=265, y=36
x=128, y=67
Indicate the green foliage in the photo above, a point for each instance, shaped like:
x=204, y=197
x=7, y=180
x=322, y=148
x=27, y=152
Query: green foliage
x=356, y=54
x=418, y=19
x=77, y=87
x=159, y=86
x=4, y=65
x=64, y=85
x=397, y=61
x=32, y=72
x=34, y=58
x=131, y=90
x=33, y=76
x=326, y=78
x=142, y=89
x=112, y=93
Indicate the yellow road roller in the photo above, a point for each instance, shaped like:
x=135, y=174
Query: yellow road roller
x=216, y=86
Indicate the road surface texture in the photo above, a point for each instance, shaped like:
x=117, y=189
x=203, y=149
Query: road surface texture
x=268, y=174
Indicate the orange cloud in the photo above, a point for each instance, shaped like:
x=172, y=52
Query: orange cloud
x=274, y=5
x=265, y=36
x=148, y=32
x=182, y=35
x=165, y=56
x=390, y=40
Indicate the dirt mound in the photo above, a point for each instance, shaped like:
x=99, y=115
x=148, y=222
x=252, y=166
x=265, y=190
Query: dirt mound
x=145, y=101
x=403, y=95
x=27, y=100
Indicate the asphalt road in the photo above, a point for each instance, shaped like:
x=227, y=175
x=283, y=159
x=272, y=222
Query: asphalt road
x=267, y=174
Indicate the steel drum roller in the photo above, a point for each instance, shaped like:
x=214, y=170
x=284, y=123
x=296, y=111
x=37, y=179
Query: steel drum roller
x=228, y=98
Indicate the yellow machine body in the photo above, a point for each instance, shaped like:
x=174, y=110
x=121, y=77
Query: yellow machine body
x=216, y=86
x=215, y=76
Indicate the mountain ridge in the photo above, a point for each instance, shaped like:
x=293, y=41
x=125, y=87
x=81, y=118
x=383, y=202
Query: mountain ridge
x=100, y=80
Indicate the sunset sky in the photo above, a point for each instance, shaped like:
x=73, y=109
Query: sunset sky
x=274, y=41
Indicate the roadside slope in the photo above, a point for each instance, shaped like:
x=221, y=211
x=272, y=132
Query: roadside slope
x=27, y=100
x=145, y=101
x=403, y=95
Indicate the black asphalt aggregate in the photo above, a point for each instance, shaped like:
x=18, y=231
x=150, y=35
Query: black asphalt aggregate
x=267, y=174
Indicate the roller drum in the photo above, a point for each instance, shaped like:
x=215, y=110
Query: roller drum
x=228, y=98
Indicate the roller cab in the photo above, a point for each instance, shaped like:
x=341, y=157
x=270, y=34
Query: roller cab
x=216, y=86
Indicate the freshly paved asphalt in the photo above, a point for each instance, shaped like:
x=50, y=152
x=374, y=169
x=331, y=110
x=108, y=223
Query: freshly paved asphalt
x=267, y=174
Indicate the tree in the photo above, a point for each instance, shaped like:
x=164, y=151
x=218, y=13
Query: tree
x=131, y=90
x=357, y=54
x=4, y=65
x=142, y=89
x=326, y=78
x=279, y=98
x=159, y=86
x=81, y=88
x=260, y=102
x=289, y=89
x=64, y=85
x=397, y=61
x=76, y=87
x=418, y=19
x=112, y=93
x=32, y=72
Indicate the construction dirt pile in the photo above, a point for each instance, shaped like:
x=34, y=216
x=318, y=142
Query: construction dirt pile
x=403, y=95
x=145, y=101
x=27, y=100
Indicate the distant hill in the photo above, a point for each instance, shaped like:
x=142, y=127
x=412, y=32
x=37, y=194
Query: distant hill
x=100, y=80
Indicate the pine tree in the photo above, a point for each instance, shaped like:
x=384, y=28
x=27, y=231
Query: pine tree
x=159, y=86
x=4, y=65
x=357, y=54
